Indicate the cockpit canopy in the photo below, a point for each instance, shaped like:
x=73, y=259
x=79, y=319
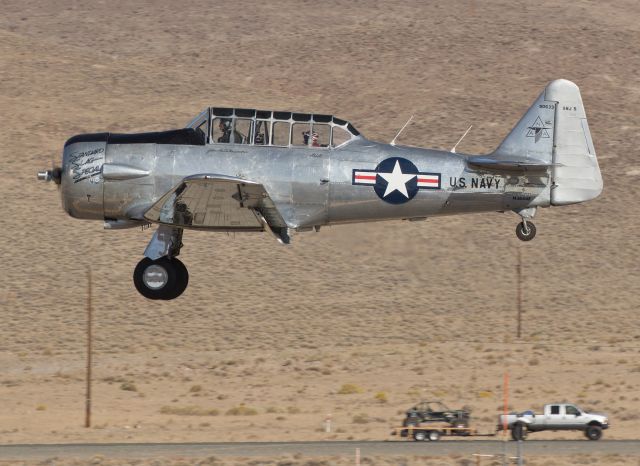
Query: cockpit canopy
x=271, y=128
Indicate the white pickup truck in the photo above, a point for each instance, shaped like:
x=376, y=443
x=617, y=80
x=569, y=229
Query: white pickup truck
x=557, y=416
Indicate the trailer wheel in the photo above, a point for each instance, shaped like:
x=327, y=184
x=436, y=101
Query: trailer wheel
x=593, y=432
x=419, y=435
x=433, y=435
x=519, y=431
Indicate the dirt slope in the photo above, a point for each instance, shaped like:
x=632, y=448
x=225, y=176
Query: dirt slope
x=411, y=310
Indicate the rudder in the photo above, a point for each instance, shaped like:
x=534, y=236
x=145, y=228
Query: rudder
x=576, y=175
x=555, y=131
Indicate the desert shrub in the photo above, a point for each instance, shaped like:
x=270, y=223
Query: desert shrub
x=195, y=388
x=189, y=411
x=241, y=410
x=128, y=387
x=350, y=389
x=381, y=397
x=360, y=419
x=113, y=379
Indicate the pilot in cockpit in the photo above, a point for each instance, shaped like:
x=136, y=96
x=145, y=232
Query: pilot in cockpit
x=225, y=128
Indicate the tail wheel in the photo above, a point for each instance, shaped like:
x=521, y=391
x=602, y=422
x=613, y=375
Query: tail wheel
x=593, y=432
x=525, y=231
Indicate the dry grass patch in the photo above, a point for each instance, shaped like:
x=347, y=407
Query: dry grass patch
x=381, y=397
x=241, y=410
x=128, y=387
x=189, y=411
x=350, y=389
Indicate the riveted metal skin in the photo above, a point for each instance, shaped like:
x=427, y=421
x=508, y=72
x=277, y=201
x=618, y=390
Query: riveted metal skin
x=246, y=170
x=119, y=178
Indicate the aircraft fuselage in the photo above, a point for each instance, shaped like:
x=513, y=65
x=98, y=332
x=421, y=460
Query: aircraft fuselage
x=309, y=186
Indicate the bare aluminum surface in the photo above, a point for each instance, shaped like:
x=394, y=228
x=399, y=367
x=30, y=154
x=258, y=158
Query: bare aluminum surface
x=308, y=187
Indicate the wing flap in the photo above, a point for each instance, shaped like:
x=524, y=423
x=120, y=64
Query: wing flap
x=217, y=203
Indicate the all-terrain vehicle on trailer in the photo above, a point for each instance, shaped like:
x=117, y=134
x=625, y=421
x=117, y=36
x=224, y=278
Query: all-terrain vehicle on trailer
x=436, y=411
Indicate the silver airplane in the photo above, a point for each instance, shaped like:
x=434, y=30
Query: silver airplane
x=245, y=170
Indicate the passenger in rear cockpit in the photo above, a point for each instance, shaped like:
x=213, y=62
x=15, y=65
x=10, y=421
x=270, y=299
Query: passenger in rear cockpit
x=314, y=139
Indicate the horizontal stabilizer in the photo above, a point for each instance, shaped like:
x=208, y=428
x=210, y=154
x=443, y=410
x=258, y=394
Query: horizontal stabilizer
x=521, y=165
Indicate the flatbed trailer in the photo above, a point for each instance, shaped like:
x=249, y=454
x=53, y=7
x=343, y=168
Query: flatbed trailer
x=433, y=433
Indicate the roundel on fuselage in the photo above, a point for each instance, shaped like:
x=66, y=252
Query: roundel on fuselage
x=396, y=180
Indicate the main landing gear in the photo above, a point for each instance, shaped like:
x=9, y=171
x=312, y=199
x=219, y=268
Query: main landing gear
x=526, y=230
x=163, y=278
x=160, y=275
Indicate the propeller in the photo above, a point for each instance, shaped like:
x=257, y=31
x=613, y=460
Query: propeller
x=55, y=174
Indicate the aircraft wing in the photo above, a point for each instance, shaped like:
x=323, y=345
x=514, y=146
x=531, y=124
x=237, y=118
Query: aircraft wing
x=520, y=165
x=218, y=203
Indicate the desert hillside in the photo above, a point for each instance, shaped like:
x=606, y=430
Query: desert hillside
x=266, y=338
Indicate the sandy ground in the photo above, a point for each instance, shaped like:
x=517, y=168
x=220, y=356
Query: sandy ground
x=453, y=460
x=262, y=342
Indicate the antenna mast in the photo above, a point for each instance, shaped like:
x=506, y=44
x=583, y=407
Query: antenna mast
x=393, y=142
x=460, y=140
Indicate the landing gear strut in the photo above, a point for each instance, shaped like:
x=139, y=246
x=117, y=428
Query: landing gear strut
x=160, y=275
x=526, y=230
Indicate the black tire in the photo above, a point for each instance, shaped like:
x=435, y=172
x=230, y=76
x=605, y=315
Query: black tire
x=518, y=431
x=593, y=432
x=182, y=279
x=419, y=435
x=158, y=282
x=524, y=235
x=433, y=435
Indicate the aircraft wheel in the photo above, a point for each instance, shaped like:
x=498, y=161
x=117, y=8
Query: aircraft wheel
x=182, y=279
x=156, y=279
x=526, y=234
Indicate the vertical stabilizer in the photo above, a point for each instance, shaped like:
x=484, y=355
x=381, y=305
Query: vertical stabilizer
x=532, y=137
x=555, y=131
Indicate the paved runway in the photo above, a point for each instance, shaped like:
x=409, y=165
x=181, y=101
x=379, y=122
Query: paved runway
x=372, y=448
